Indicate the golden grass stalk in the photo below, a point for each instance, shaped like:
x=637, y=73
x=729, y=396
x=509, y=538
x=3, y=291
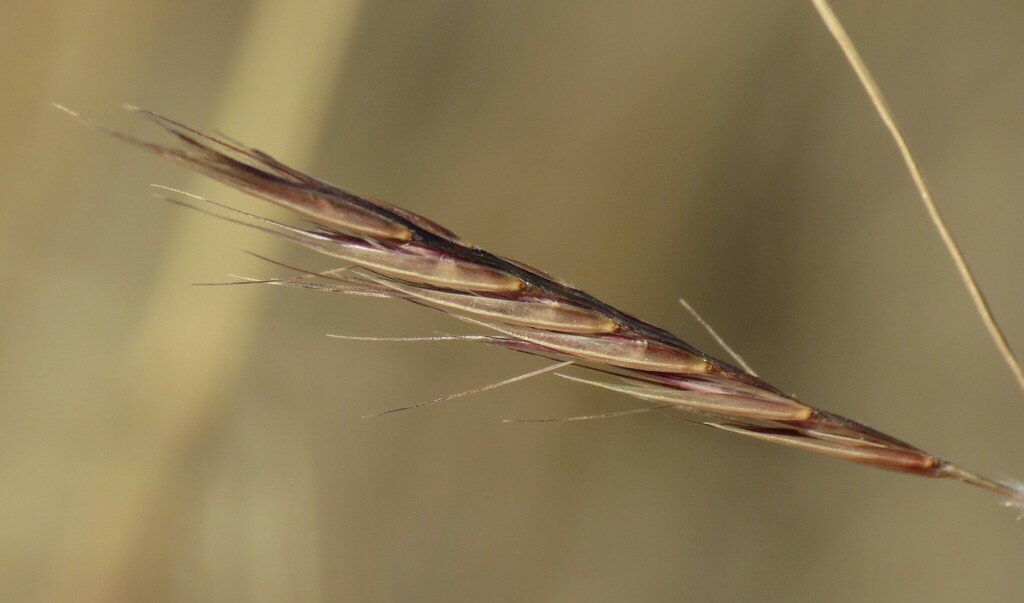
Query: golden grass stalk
x=867, y=81
x=393, y=253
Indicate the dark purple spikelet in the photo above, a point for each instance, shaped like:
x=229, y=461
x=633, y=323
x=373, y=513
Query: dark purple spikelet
x=394, y=253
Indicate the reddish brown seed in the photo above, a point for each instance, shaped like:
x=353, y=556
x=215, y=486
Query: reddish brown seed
x=429, y=268
x=318, y=206
x=893, y=459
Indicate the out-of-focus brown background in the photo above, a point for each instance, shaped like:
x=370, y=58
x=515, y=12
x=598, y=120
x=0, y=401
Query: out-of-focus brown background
x=162, y=442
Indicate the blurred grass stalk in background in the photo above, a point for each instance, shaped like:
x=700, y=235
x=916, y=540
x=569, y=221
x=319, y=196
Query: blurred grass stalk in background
x=121, y=505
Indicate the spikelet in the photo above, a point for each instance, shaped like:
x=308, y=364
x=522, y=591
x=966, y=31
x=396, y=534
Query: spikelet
x=395, y=253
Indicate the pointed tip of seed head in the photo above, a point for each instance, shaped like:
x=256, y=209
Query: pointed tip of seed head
x=1015, y=496
x=1011, y=489
x=1017, y=506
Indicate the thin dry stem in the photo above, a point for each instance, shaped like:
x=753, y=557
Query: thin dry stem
x=885, y=113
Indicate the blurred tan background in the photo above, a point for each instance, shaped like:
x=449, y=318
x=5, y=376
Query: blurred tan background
x=162, y=442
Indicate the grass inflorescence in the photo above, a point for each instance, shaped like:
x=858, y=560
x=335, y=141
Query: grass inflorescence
x=390, y=252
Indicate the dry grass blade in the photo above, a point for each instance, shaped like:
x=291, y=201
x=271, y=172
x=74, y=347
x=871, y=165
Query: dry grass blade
x=398, y=254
